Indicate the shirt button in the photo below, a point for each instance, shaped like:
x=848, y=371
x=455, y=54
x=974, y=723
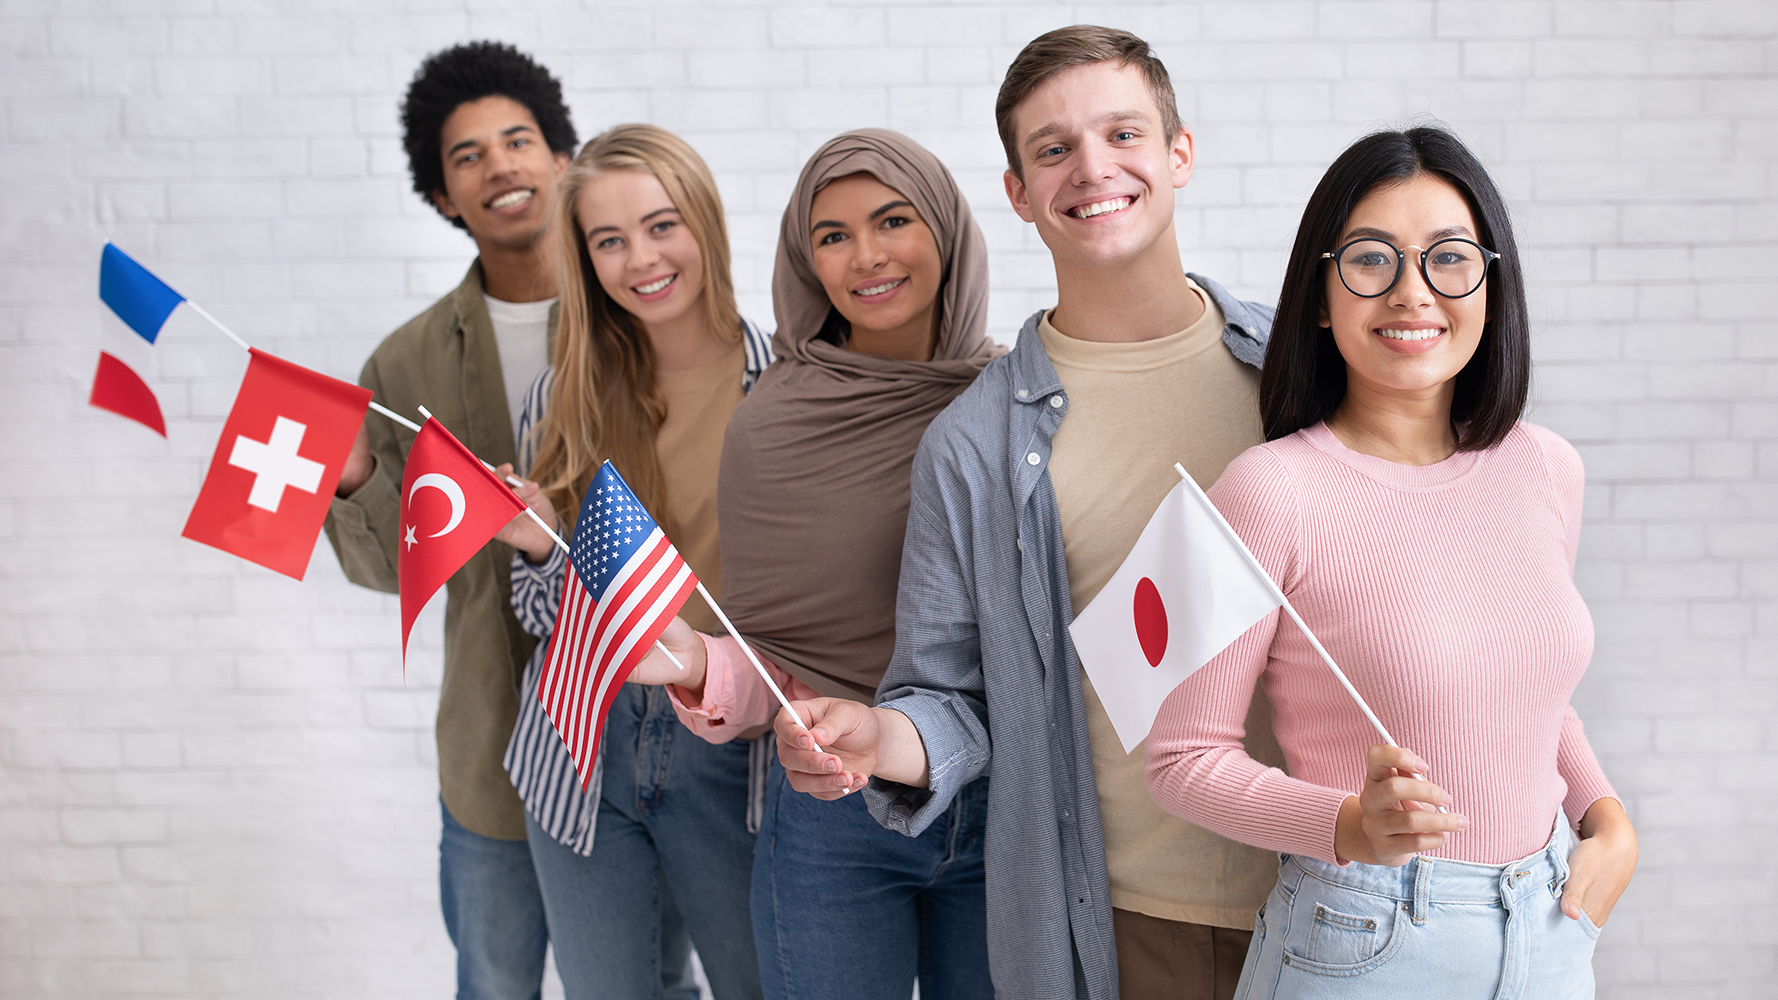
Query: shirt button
x=1024, y=393
x=1033, y=458
x=1056, y=402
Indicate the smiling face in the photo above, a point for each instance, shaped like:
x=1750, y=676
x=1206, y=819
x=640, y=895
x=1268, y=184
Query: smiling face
x=1409, y=341
x=1099, y=170
x=499, y=174
x=879, y=264
x=644, y=254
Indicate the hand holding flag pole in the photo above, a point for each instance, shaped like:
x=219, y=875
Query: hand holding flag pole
x=135, y=273
x=705, y=594
x=514, y=481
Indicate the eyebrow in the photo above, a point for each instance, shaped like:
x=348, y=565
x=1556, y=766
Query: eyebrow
x=659, y=211
x=1366, y=232
x=883, y=209
x=465, y=144
x=1048, y=129
x=890, y=206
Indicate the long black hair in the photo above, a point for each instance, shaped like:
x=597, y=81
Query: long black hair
x=1304, y=378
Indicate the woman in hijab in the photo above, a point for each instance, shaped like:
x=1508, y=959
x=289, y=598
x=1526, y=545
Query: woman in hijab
x=881, y=294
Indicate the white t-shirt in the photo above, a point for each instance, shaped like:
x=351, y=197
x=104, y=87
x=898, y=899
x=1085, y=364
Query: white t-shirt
x=521, y=330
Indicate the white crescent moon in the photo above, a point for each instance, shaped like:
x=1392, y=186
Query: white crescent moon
x=448, y=486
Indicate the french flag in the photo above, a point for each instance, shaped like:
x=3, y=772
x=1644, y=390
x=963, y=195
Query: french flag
x=143, y=302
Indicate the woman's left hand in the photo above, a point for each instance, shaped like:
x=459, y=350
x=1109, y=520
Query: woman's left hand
x=522, y=533
x=1600, y=868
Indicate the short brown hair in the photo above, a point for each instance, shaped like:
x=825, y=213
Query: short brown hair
x=1079, y=45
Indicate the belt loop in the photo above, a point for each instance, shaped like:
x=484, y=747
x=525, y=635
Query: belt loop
x=1422, y=888
x=1557, y=853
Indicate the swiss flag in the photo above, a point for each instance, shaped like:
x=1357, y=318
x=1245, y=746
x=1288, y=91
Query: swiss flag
x=451, y=504
x=277, y=463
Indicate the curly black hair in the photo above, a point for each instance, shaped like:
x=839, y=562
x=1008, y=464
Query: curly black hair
x=470, y=72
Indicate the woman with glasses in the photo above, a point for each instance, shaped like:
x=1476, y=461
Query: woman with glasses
x=1427, y=537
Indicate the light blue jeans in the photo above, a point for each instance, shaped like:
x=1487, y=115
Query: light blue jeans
x=493, y=913
x=672, y=859
x=1432, y=928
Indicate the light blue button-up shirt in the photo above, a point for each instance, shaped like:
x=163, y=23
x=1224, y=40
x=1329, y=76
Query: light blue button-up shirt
x=985, y=668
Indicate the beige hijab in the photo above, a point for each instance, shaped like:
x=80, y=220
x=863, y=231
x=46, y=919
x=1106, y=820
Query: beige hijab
x=813, y=499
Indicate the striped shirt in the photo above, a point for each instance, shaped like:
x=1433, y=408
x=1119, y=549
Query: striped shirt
x=536, y=758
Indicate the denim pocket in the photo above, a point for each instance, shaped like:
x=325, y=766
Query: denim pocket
x=1340, y=943
x=1587, y=926
x=1337, y=938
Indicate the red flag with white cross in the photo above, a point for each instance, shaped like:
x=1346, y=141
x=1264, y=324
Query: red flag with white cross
x=277, y=464
x=451, y=505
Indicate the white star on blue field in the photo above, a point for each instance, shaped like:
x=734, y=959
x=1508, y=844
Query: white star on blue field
x=612, y=526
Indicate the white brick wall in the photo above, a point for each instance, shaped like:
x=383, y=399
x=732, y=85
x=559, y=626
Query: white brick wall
x=215, y=782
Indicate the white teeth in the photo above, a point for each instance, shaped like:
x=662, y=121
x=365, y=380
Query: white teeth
x=1423, y=334
x=879, y=289
x=510, y=199
x=655, y=286
x=1101, y=207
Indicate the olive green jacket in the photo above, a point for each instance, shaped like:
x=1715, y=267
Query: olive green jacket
x=446, y=360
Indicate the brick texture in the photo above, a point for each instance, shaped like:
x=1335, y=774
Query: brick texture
x=215, y=782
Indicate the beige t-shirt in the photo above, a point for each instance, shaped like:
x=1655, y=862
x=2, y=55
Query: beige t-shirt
x=1134, y=410
x=689, y=446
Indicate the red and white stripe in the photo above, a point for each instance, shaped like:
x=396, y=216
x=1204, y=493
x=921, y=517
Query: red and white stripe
x=596, y=645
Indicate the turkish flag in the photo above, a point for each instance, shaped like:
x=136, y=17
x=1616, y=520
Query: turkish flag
x=277, y=463
x=451, y=504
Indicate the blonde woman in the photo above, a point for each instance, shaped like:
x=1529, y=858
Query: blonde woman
x=651, y=357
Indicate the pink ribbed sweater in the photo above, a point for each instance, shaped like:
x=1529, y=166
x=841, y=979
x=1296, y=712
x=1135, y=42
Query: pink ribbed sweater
x=1446, y=594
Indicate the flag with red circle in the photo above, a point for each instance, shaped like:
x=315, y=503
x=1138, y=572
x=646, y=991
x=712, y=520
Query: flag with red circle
x=1185, y=591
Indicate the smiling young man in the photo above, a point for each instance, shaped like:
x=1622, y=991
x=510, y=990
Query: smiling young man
x=487, y=135
x=1027, y=494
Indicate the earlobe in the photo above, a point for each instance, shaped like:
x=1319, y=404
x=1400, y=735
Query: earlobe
x=562, y=161
x=1016, y=193
x=1321, y=318
x=444, y=204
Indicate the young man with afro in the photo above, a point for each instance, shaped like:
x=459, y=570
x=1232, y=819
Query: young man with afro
x=487, y=134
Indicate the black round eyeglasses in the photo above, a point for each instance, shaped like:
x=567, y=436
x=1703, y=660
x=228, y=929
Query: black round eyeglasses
x=1453, y=267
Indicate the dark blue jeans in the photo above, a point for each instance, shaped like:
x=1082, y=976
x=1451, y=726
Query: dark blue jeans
x=671, y=858
x=493, y=913
x=845, y=908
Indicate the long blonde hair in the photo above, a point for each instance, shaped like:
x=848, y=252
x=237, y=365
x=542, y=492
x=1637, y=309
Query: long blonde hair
x=604, y=403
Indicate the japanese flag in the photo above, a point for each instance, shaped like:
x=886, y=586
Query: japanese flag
x=1186, y=591
x=276, y=465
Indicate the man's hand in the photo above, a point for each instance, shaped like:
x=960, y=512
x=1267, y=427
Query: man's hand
x=359, y=464
x=856, y=740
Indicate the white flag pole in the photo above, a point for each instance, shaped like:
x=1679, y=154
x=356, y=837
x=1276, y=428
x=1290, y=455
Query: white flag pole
x=1278, y=594
x=410, y=425
x=201, y=311
x=756, y=664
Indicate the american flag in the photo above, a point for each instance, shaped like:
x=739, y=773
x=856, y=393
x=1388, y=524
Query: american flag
x=625, y=582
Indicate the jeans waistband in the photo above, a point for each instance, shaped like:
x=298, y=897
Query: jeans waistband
x=1423, y=881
